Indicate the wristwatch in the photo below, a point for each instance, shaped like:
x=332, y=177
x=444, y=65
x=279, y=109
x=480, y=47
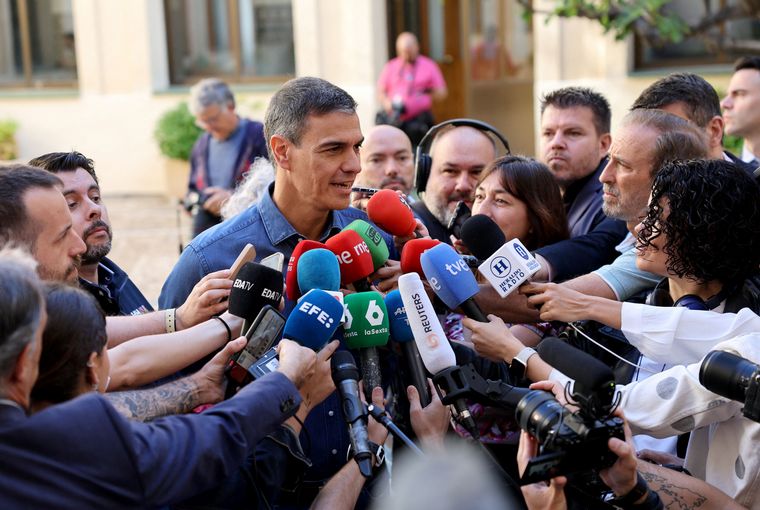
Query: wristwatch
x=520, y=363
x=378, y=454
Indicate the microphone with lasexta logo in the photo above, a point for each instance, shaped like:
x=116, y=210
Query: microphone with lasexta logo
x=254, y=287
x=312, y=324
x=432, y=343
x=292, y=289
x=401, y=333
x=366, y=329
x=354, y=258
x=451, y=279
x=506, y=265
x=345, y=375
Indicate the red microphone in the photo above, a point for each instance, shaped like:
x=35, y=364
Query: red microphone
x=354, y=257
x=291, y=278
x=410, y=255
x=389, y=211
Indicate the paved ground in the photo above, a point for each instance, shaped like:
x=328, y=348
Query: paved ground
x=146, y=238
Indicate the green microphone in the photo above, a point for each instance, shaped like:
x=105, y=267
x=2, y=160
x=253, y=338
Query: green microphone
x=377, y=247
x=365, y=329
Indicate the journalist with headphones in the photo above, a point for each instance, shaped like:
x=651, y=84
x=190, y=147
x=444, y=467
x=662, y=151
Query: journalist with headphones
x=449, y=160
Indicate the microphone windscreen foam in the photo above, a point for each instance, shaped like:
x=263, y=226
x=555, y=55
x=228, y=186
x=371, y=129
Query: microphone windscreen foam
x=354, y=258
x=448, y=275
x=435, y=351
x=366, y=320
x=410, y=254
x=314, y=319
x=318, y=269
x=398, y=320
x=343, y=366
x=482, y=236
x=255, y=287
x=291, y=277
x=390, y=211
x=590, y=374
x=375, y=242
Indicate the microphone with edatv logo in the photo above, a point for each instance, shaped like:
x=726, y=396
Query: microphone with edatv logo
x=255, y=287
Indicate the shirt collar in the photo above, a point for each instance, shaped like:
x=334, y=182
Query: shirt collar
x=278, y=228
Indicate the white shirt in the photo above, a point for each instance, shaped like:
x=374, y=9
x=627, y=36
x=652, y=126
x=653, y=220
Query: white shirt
x=723, y=448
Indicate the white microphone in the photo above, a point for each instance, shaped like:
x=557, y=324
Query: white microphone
x=431, y=341
x=509, y=267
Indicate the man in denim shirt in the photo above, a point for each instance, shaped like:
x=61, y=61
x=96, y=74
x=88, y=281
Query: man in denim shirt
x=313, y=137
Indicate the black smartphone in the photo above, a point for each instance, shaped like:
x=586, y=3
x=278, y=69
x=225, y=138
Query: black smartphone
x=263, y=333
x=461, y=214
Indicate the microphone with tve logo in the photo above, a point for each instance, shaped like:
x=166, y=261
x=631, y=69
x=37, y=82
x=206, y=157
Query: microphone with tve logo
x=451, y=280
x=432, y=343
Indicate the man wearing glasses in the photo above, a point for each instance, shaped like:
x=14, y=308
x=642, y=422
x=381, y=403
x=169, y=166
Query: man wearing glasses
x=221, y=155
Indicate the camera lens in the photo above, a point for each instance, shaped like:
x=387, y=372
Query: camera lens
x=538, y=412
x=727, y=374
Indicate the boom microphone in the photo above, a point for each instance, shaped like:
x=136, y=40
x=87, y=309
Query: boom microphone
x=432, y=343
x=291, y=278
x=402, y=334
x=318, y=269
x=366, y=329
x=594, y=381
x=391, y=212
x=345, y=375
x=254, y=287
x=451, y=280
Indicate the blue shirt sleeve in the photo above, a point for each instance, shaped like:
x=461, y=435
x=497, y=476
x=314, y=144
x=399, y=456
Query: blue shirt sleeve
x=624, y=278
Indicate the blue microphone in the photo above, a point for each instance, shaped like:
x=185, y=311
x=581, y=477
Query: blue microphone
x=314, y=319
x=451, y=280
x=401, y=332
x=318, y=269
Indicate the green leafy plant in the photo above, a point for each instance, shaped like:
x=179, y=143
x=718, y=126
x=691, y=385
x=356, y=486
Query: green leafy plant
x=7, y=139
x=176, y=132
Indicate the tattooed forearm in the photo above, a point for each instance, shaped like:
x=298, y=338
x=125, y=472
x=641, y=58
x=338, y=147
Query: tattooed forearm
x=673, y=496
x=177, y=397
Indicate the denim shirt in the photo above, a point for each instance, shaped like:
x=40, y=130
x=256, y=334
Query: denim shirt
x=325, y=437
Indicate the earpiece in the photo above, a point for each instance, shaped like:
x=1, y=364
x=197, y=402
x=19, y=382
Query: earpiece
x=424, y=161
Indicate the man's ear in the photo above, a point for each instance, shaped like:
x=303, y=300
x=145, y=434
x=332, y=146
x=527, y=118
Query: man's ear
x=604, y=142
x=715, y=131
x=280, y=151
x=25, y=368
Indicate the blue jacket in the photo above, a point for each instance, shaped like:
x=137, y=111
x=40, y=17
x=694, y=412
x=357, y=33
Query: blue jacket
x=83, y=454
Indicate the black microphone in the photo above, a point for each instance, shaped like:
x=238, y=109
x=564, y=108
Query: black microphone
x=594, y=384
x=345, y=375
x=254, y=287
x=482, y=236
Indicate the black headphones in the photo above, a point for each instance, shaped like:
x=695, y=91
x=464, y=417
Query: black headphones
x=660, y=296
x=424, y=161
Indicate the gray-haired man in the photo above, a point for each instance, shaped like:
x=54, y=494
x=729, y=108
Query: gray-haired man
x=221, y=155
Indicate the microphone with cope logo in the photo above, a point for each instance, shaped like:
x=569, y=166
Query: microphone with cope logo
x=432, y=343
x=375, y=242
x=366, y=329
x=391, y=212
x=506, y=265
x=410, y=254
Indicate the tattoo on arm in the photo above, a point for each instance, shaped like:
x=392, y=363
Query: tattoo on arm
x=673, y=496
x=177, y=397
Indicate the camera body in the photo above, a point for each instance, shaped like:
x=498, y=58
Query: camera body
x=193, y=201
x=571, y=442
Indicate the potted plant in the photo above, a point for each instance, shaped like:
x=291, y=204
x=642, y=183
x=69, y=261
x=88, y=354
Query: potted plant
x=8, y=147
x=176, y=133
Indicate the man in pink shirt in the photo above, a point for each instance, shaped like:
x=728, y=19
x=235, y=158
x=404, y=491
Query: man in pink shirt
x=407, y=87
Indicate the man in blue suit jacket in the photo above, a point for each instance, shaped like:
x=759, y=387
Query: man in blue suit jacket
x=83, y=454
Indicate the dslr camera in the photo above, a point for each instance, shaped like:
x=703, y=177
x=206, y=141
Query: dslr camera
x=733, y=377
x=570, y=442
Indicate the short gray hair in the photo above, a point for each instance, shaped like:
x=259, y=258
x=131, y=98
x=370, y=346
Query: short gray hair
x=208, y=92
x=291, y=106
x=21, y=300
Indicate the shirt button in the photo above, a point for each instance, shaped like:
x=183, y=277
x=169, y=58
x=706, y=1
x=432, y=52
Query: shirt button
x=330, y=413
x=334, y=451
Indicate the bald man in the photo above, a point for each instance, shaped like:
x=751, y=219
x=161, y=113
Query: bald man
x=407, y=87
x=386, y=161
